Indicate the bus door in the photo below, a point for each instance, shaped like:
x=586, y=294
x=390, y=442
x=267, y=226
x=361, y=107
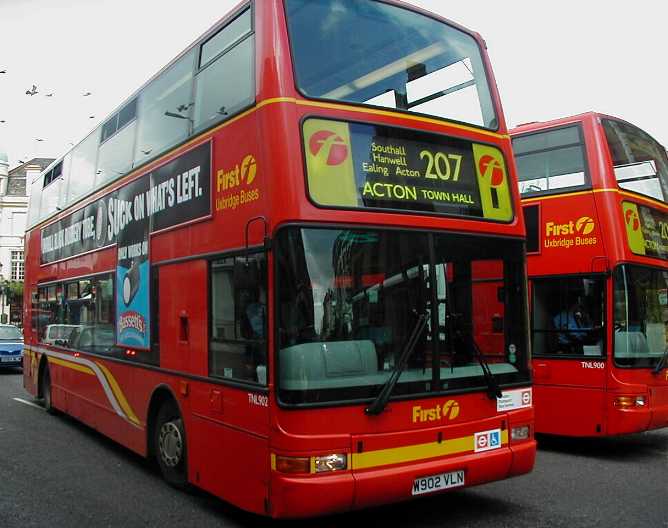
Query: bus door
x=569, y=360
x=215, y=314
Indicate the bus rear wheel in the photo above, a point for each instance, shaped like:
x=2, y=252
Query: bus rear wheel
x=170, y=446
x=45, y=382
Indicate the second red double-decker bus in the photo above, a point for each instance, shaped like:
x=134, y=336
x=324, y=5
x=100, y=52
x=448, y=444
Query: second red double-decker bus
x=269, y=268
x=595, y=192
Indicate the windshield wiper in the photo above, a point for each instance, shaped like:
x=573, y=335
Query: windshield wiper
x=493, y=389
x=662, y=362
x=381, y=400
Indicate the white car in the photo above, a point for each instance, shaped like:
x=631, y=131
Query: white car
x=58, y=334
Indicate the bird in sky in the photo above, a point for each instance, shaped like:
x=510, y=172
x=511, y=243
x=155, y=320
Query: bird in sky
x=3, y=71
x=39, y=139
x=91, y=117
x=32, y=91
x=49, y=95
x=86, y=94
x=2, y=121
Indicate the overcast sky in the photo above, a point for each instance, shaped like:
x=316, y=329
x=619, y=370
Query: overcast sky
x=551, y=59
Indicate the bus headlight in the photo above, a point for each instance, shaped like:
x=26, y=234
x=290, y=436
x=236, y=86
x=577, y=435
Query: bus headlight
x=520, y=433
x=334, y=462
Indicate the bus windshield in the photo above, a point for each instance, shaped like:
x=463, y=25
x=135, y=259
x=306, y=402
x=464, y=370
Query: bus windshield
x=348, y=301
x=640, y=163
x=641, y=309
x=383, y=55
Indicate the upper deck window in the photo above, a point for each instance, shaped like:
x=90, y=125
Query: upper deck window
x=378, y=54
x=225, y=38
x=225, y=82
x=639, y=162
x=550, y=160
x=53, y=174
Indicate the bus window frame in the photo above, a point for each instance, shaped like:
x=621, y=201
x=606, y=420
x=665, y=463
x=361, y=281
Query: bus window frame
x=604, y=277
x=587, y=186
x=410, y=212
x=407, y=114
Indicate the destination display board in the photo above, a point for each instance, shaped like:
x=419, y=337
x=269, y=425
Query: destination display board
x=359, y=165
x=646, y=230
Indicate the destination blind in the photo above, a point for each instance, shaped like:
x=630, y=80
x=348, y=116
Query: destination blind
x=356, y=165
x=646, y=230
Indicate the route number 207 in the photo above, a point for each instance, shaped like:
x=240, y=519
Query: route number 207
x=439, y=165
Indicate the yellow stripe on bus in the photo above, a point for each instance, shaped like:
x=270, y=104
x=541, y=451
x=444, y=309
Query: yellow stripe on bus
x=633, y=196
x=275, y=100
x=390, y=113
x=69, y=365
x=414, y=453
x=120, y=397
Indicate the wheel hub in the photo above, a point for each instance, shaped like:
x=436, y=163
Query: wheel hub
x=170, y=444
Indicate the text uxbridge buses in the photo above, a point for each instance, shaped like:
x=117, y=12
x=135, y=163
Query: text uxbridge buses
x=272, y=262
x=594, y=193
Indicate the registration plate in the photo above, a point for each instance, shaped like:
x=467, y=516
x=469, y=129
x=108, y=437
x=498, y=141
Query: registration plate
x=10, y=359
x=453, y=479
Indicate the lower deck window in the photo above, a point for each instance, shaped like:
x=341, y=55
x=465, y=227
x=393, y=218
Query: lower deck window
x=78, y=314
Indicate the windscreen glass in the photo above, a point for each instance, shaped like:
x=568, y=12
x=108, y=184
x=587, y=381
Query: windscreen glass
x=641, y=309
x=10, y=333
x=348, y=300
x=639, y=162
x=378, y=54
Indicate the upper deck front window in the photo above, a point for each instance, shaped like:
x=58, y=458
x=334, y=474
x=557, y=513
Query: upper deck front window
x=550, y=161
x=382, y=55
x=639, y=162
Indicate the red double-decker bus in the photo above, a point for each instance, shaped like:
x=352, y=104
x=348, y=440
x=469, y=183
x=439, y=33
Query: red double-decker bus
x=594, y=191
x=272, y=268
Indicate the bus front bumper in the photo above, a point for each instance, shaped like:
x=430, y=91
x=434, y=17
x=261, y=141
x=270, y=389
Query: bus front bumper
x=313, y=495
x=652, y=415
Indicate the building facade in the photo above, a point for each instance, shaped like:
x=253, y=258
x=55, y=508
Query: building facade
x=14, y=195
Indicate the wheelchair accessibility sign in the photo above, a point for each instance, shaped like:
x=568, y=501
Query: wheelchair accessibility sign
x=487, y=440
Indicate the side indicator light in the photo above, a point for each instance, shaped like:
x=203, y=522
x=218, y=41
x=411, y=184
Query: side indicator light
x=629, y=402
x=285, y=464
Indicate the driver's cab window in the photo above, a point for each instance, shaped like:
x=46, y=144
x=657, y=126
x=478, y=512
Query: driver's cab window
x=238, y=347
x=568, y=316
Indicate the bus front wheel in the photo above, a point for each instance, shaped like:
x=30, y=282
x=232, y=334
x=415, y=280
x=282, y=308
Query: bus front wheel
x=170, y=446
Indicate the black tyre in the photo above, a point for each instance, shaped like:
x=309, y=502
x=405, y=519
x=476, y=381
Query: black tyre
x=45, y=382
x=169, y=441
